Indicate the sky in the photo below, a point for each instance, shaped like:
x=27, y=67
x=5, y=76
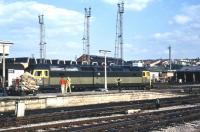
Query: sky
x=150, y=26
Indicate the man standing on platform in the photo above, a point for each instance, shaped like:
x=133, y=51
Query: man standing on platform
x=119, y=84
x=68, y=85
x=62, y=84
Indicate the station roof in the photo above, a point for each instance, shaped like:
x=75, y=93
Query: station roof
x=157, y=69
x=13, y=66
x=99, y=59
x=189, y=69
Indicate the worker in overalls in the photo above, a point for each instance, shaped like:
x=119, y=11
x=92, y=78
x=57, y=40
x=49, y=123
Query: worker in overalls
x=68, y=85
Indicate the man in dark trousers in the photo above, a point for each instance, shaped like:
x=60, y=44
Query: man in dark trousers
x=119, y=84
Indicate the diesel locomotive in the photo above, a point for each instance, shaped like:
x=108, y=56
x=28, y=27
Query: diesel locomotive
x=84, y=77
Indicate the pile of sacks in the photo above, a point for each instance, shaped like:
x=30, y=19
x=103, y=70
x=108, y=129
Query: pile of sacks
x=28, y=82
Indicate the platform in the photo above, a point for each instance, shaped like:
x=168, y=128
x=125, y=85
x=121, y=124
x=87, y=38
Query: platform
x=53, y=100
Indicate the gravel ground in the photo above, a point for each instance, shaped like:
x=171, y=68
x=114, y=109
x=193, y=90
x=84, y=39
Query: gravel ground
x=187, y=127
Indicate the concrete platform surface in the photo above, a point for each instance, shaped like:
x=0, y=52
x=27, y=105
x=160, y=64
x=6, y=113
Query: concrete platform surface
x=53, y=100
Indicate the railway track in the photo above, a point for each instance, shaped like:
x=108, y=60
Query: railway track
x=189, y=88
x=94, y=111
x=140, y=122
x=144, y=121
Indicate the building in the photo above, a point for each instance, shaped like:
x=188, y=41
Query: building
x=98, y=60
x=188, y=74
x=12, y=71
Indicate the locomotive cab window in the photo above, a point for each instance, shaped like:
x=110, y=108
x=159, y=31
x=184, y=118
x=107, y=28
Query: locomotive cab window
x=38, y=73
x=41, y=73
x=46, y=73
x=31, y=72
x=145, y=73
